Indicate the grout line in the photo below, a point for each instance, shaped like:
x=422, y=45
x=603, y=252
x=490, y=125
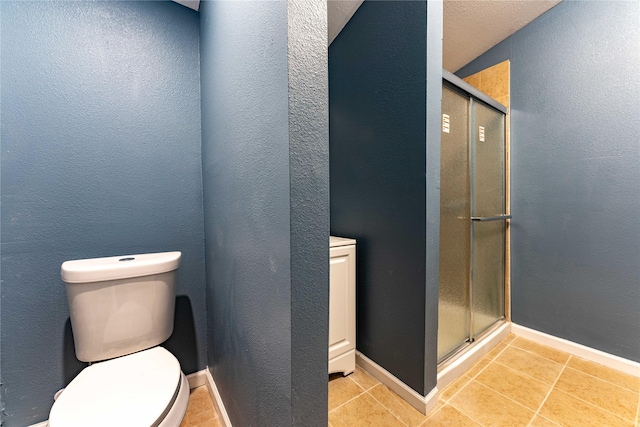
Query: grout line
x=546, y=419
x=495, y=391
x=526, y=374
x=539, y=355
x=442, y=405
x=505, y=396
x=637, y=421
x=361, y=385
x=596, y=406
x=550, y=390
x=342, y=404
x=354, y=381
x=603, y=380
x=465, y=414
x=461, y=388
x=353, y=398
x=493, y=359
x=382, y=404
x=591, y=403
x=471, y=378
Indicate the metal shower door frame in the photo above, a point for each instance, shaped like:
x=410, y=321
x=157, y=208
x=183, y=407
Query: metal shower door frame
x=475, y=96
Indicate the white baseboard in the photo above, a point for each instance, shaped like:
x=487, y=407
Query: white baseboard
x=451, y=371
x=615, y=362
x=217, y=400
x=422, y=403
x=197, y=379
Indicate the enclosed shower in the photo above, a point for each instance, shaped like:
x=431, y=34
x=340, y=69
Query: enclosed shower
x=472, y=216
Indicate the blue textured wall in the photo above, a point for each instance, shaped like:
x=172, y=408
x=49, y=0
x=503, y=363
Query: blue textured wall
x=309, y=209
x=265, y=177
x=377, y=98
x=100, y=156
x=575, y=170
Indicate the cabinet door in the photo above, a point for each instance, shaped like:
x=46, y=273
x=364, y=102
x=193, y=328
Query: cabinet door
x=342, y=300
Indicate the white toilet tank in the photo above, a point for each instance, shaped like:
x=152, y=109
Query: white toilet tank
x=120, y=305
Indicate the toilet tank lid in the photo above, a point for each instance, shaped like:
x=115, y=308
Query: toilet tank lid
x=119, y=267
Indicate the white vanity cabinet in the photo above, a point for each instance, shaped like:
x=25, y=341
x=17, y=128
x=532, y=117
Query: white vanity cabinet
x=342, y=305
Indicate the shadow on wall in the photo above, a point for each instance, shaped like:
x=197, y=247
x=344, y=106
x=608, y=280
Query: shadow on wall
x=182, y=343
x=72, y=366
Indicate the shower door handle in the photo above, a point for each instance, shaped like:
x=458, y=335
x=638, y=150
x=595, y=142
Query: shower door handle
x=490, y=218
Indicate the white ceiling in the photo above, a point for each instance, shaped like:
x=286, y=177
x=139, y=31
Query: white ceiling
x=338, y=14
x=471, y=27
x=191, y=4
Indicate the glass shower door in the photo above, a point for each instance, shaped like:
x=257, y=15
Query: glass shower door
x=454, y=300
x=472, y=220
x=488, y=216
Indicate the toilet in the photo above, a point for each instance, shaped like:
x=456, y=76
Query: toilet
x=121, y=309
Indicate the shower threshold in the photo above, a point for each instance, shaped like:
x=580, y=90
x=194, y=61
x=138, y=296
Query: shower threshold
x=461, y=361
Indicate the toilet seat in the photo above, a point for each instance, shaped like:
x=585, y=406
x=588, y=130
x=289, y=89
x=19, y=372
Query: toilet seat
x=134, y=390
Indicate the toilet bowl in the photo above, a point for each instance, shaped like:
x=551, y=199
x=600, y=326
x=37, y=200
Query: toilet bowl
x=143, y=389
x=121, y=308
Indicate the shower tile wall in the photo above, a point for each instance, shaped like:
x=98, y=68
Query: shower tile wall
x=494, y=81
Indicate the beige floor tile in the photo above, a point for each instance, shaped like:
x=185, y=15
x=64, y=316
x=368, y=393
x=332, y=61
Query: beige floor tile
x=200, y=410
x=509, y=338
x=199, y=400
x=503, y=389
x=436, y=408
x=209, y=423
x=363, y=378
x=567, y=410
x=490, y=408
x=540, y=421
x=604, y=373
x=363, y=411
x=202, y=418
x=398, y=406
x=450, y=417
x=479, y=366
x=454, y=387
x=496, y=350
x=541, y=350
x=605, y=395
x=519, y=387
x=535, y=366
x=341, y=390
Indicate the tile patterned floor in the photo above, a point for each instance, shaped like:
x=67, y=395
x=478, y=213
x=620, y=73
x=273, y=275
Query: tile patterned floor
x=200, y=412
x=518, y=383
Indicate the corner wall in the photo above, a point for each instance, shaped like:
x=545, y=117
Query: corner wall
x=432, y=177
x=384, y=182
x=100, y=109
x=265, y=177
x=574, y=173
